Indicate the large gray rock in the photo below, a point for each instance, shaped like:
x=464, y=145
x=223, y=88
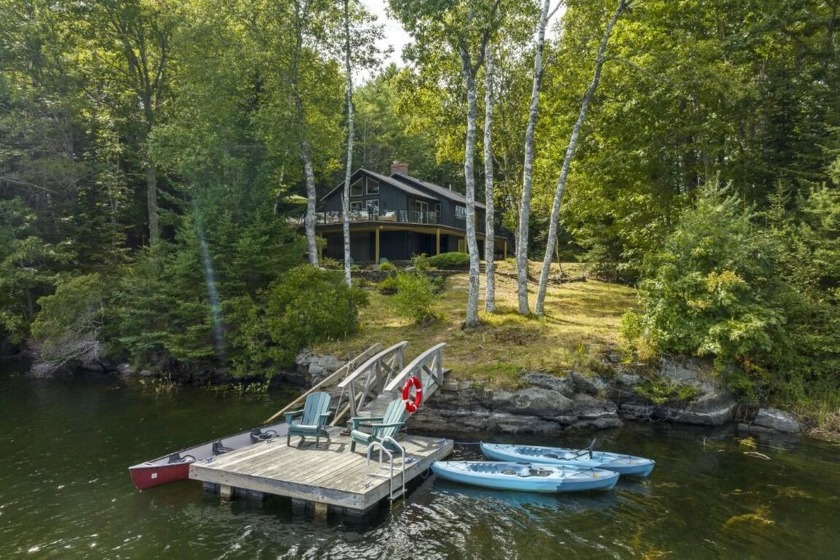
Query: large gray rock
x=547, y=404
x=713, y=406
x=589, y=385
x=532, y=401
x=519, y=424
x=777, y=420
x=563, y=385
x=684, y=372
x=317, y=367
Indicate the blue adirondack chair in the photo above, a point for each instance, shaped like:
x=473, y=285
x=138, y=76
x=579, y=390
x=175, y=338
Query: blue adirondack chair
x=312, y=419
x=381, y=426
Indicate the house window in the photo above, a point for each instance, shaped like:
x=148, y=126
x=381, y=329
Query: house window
x=357, y=188
x=421, y=206
x=460, y=212
x=372, y=186
x=356, y=206
x=373, y=207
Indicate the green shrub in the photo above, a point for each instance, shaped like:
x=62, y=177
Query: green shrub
x=306, y=305
x=420, y=262
x=664, y=391
x=388, y=286
x=450, y=261
x=68, y=325
x=331, y=264
x=713, y=289
x=387, y=266
x=415, y=298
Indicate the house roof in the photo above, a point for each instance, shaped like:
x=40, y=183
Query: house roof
x=382, y=179
x=437, y=189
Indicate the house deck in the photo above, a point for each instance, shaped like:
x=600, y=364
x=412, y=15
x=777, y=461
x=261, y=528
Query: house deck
x=329, y=477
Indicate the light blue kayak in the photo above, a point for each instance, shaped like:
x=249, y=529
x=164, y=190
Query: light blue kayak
x=622, y=464
x=528, y=478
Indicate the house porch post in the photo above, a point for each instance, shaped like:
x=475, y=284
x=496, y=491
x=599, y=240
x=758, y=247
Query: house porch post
x=377, y=243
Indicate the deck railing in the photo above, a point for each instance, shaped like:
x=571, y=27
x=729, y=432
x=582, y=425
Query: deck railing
x=396, y=216
x=333, y=217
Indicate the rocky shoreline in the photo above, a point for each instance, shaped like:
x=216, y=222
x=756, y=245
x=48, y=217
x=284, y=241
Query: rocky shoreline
x=680, y=392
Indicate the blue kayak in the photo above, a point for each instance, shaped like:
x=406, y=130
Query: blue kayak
x=528, y=478
x=622, y=464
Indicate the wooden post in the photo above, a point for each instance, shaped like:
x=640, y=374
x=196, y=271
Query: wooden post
x=437, y=241
x=225, y=492
x=377, y=244
x=505, y=249
x=320, y=511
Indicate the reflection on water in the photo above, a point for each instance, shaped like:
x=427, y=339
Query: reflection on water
x=65, y=491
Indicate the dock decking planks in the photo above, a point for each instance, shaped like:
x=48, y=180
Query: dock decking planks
x=330, y=474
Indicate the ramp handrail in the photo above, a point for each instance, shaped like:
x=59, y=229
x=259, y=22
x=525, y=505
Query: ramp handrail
x=330, y=379
x=427, y=366
x=373, y=375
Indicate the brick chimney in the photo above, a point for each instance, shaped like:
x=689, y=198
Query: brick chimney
x=398, y=167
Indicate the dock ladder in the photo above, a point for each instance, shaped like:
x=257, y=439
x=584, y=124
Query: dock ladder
x=393, y=493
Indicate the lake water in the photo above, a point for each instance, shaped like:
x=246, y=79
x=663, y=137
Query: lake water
x=65, y=491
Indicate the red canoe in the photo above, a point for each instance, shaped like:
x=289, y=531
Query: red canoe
x=176, y=466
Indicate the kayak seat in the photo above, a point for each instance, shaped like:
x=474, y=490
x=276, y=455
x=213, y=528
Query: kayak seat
x=219, y=448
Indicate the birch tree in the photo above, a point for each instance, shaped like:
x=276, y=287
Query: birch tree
x=489, y=227
x=345, y=198
x=299, y=23
x=528, y=173
x=570, y=152
x=469, y=70
x=463, y=28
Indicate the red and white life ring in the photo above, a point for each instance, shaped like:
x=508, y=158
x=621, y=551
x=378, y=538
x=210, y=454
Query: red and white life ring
x=411, y=405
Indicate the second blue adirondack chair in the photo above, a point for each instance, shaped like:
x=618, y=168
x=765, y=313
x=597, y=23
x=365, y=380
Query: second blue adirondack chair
x=312, y=419
x=381, y=426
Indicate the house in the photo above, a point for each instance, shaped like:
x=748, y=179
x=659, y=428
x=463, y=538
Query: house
x=396, y=217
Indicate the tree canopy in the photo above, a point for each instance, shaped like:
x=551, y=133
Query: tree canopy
x=151, y=156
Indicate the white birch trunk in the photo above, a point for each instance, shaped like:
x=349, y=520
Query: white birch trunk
x=345, y=199
x=311, y=198
x=469, y=157
x=305, y=149
x=528, y=173
x=489, y=226
x=570, y=151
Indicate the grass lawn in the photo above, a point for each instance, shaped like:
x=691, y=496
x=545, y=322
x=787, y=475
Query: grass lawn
x=581, y=322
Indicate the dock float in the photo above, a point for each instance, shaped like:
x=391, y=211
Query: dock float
x=330, y=477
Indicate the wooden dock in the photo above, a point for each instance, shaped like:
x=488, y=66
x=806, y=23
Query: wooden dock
x=332, y=476
x=328, y=477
